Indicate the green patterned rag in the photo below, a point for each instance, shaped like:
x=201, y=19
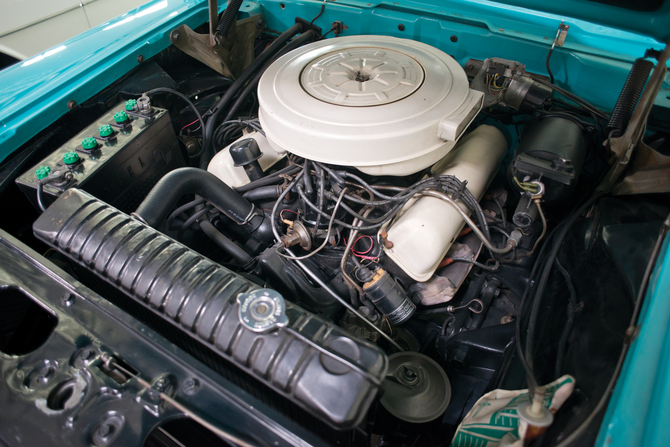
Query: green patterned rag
x=493, y=421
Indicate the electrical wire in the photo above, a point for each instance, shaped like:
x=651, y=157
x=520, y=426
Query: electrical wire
x=192, y=122
x=544, y=225
x=510, y=244
x=323, y=7
x=182, y=209
x=190, y=104
x=572, y=309
x=572, y=437
x=40, y=200
x=191, y=220
x=488, y=268
x=314, y=276
x=551, y=50
x=574, y=98
x=325, y=240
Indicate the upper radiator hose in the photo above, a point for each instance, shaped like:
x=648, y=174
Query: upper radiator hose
x=311, y=362
x=629, y=96
x=160, y=200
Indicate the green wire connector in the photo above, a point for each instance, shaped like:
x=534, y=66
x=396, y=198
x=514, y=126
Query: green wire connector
x=43, y=172
x=105, y=130
x=131, y=104
x=89, y=143
x=527, y=186
x=70, y=158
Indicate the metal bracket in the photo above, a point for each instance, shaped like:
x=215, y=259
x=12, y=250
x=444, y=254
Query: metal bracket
x=622, y=147
x=228, y=56
x=561, y=34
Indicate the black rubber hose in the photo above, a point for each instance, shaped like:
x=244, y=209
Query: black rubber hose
x=270, y=179
x=629, y=96
x=253, y=83
x=271, y=192
x=238, y=85
x=229, y=17
x=160, y=200
x=222, y=241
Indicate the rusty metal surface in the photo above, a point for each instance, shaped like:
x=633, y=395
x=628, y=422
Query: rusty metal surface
x=228, y=56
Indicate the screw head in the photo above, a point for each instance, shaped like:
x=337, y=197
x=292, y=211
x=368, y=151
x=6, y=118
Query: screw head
x=71, y=104
x=105, y=130
x=67, y=299
x=104, y=430
x=89, y=143
x=401, y=27
x=42, y=172
x=70, y=158
x=190, y=385
x=140, y=59
x=454, y=38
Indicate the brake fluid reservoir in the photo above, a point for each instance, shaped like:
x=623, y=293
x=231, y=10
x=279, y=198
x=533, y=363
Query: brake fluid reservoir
x=425, y=229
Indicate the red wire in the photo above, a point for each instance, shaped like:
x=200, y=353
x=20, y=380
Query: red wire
x=360, y=254
x=281, y=213
x=196, y=120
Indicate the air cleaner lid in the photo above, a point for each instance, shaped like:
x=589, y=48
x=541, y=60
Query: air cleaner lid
x=367, y=101
x=362, y=77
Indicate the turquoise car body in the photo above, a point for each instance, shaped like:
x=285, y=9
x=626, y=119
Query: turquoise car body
x=601, y=45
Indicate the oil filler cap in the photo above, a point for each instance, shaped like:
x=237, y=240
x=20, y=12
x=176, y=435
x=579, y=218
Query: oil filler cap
x=262, y=310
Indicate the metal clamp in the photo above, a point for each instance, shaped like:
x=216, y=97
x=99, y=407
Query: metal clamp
x=540, y=190
x=479, y=310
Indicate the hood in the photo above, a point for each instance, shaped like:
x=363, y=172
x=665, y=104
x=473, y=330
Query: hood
x=649, y=18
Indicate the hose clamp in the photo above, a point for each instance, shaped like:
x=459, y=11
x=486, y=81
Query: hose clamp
x=250, y=216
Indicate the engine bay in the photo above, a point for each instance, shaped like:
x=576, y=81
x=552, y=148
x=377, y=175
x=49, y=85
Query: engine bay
x=362, y=225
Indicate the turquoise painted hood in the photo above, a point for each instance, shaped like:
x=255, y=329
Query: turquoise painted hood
x=648, y=17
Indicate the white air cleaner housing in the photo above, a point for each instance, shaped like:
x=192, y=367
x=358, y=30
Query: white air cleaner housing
x=384, y=105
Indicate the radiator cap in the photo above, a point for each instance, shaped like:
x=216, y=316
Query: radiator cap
x=262, y=310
